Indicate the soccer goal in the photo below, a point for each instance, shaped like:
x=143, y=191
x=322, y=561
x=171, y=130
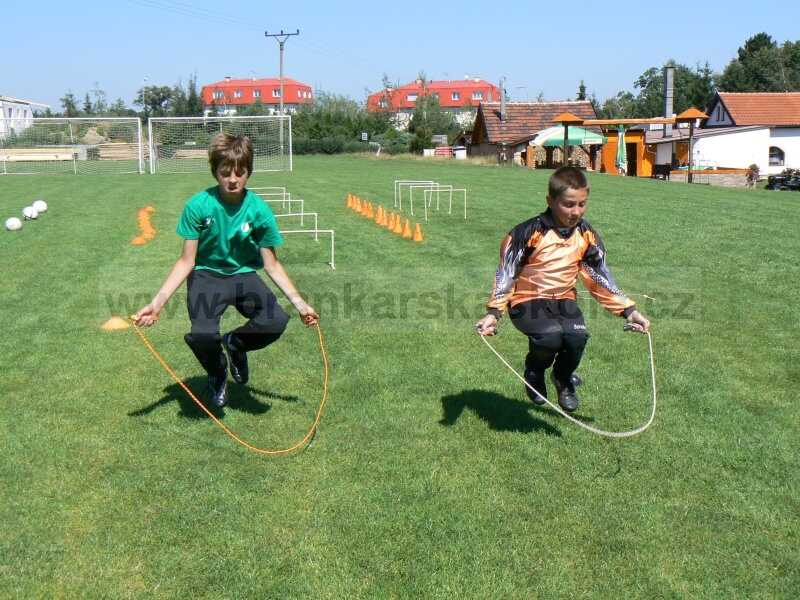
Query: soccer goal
x=36, y=145
x=180, y=144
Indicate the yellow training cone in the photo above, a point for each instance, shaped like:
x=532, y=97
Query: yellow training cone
x=407, y=229
x=115, y=323
x=418, y=234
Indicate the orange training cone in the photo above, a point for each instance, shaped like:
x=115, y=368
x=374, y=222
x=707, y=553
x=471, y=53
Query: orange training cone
x=407, y=229
x=115, y=323
x=384, y=221
x=398, y=225
x=390, y=224
x=138, y=241
x=349, y=201
x=418, y=234
x=370, y=214
x=379, y=215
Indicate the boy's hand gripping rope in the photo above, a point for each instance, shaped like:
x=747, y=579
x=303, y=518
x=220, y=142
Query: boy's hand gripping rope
x=218, y=422
x=614, y=434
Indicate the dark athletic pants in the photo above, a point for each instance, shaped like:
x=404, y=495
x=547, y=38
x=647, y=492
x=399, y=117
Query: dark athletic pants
x=210, y=294
x=556, y=333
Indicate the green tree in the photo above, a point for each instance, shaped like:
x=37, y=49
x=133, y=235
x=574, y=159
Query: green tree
x=87, y=105
x=156, y=98
x=70, y=104
x=581, y=91
x=762, y=66
x=100, y=106
x=430, y=114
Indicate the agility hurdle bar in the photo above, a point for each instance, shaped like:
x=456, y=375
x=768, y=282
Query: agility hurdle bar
x=271, y=190
x=301, y=215
x=427, y=196
x=316, y=231
x=398, y=189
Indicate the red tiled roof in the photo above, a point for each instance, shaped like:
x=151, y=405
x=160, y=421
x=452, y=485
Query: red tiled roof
x=523, y=119
x=762, y=108
x=405, y=96
x=265, y=86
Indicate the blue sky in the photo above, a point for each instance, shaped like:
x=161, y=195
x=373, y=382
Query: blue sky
x=346, y=47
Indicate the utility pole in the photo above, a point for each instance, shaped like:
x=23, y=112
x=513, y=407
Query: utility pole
x=281, y=37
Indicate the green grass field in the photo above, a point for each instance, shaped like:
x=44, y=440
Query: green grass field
x=431, y=475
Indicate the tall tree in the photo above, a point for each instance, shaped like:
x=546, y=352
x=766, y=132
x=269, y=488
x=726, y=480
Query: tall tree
x=759, y=67
x=429, y=113
x=70, y=104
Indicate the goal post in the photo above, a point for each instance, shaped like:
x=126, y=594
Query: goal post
x=180, y=144
x=39, y=145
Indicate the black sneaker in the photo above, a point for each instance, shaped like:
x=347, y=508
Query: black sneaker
x=218, y=390
x=238, y=362
x=567, y=398
x=535, y=380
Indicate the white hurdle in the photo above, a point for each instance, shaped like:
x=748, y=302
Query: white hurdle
x=316, y=231
x=271, y=190
x=398, y=189
x=427, y=196
x=301, y=215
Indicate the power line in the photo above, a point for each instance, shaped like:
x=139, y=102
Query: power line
x=179, y=8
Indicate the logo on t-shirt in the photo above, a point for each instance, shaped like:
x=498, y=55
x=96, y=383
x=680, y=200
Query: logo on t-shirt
x=205, y=223
x=246, y=227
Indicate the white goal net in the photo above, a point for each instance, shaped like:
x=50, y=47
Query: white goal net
x=35, y=145
x=180, y=144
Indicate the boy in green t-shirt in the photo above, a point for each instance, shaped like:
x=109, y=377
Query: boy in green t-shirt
x=229, y=233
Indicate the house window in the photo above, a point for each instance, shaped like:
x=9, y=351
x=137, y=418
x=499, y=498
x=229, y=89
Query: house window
x=383, y=103
x=412, y=97
x=276, y=93
x=237, y=94
x=435, y=95
x=256, y=93
x=719, y=113
x=219, y=94
x=776, y=156
x=477, y=95
x=455, y=96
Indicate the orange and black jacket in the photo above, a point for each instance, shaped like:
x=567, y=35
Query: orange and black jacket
x=540, y=261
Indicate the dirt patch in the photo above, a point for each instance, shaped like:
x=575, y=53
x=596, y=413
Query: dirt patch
x=92, y=137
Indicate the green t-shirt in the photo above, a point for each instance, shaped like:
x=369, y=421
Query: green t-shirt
x=229, y=235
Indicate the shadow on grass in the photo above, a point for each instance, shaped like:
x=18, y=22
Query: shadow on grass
x=240, y=397
x=500, y=412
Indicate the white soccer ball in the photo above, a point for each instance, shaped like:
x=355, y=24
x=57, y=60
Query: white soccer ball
x=30, y=213
x=13, y=224
x=40, y=206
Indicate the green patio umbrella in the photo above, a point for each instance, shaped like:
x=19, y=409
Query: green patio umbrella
x=622, y=157
x=554, y=136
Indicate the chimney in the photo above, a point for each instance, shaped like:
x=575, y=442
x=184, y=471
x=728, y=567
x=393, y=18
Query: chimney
x=227, y=79
x=669, y=96
x=502, y=100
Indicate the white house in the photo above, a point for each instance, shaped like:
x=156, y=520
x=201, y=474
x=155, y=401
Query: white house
x=15, y=114
x=742, y=129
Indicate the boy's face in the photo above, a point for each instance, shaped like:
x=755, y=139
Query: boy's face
x=231, y=183
x=568, y=208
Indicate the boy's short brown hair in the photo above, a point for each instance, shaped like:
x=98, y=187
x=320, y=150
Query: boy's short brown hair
x=565, y=178
x=235, y=151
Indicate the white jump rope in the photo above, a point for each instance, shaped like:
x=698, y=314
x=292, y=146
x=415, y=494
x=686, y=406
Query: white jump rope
x=614, y=434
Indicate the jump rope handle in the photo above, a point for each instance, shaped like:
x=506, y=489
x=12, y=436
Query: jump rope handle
x=629, y=327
